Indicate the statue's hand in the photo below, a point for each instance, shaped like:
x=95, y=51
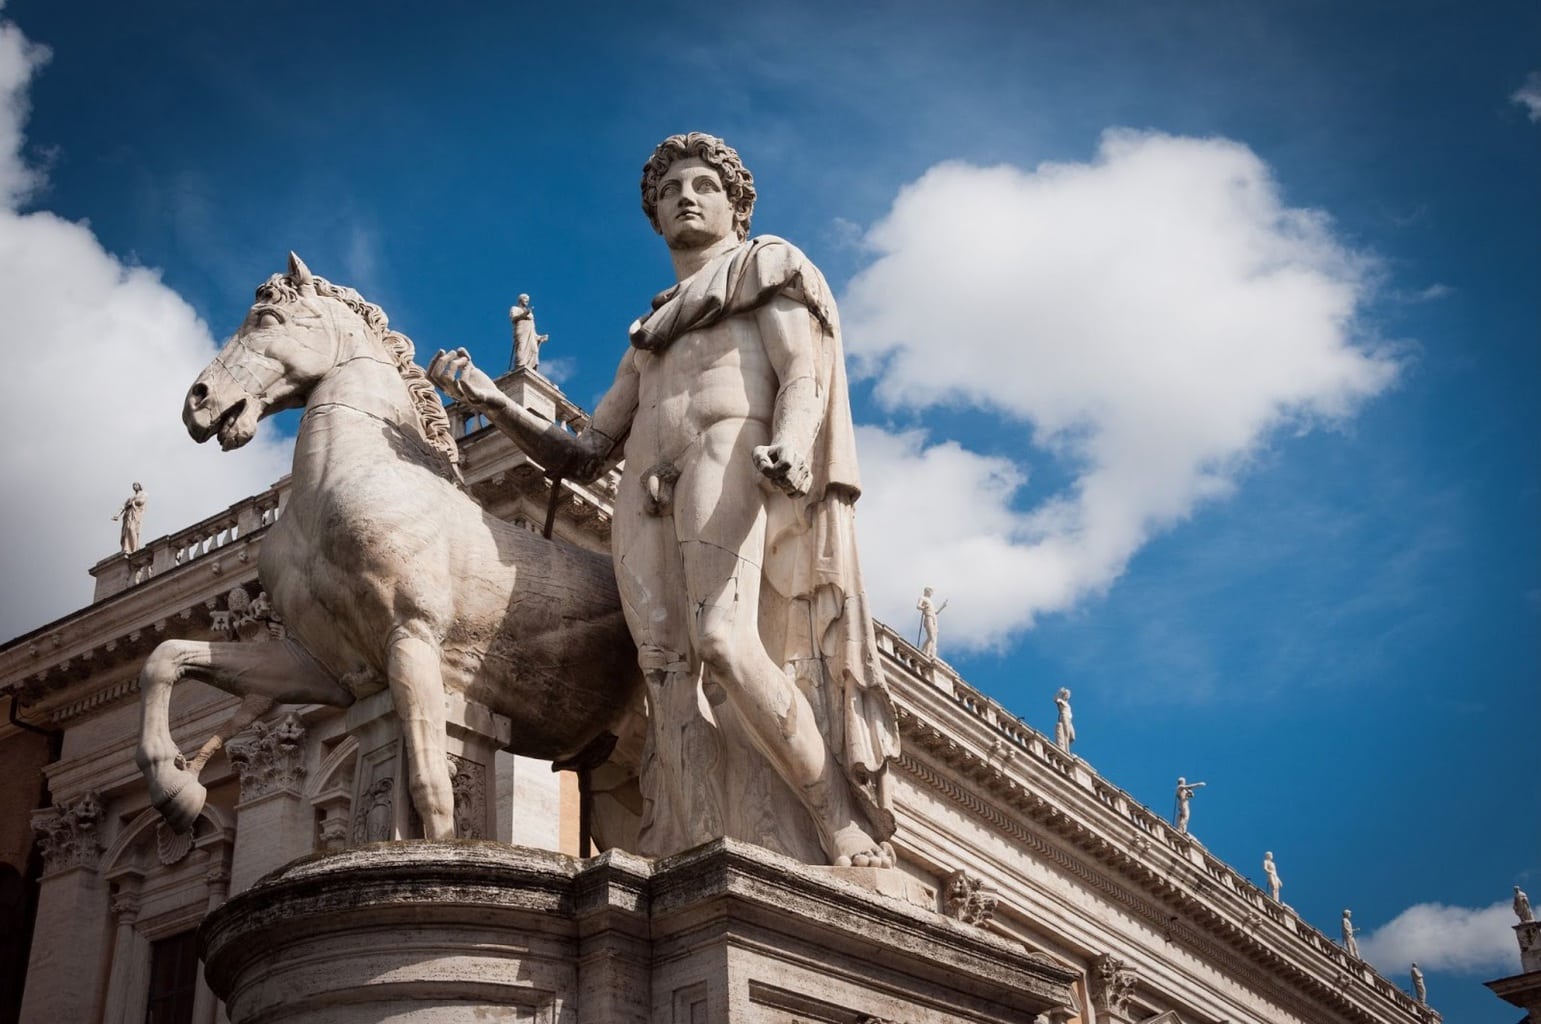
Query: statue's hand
x=460, y=379
x=784, y=468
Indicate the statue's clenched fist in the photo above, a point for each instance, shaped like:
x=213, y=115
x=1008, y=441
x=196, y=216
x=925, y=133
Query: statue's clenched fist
x=784, y=468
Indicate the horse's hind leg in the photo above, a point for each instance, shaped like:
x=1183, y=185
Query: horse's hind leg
x=417, y=689
x=281, y=670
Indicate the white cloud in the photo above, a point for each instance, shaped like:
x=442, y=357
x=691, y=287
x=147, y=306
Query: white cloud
x=1148, y=320
x=100, y=356
x=1444, y=938
x=1529, y=95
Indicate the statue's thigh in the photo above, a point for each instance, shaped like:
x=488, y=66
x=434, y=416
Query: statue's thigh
x=720, y=524
x=651, y=580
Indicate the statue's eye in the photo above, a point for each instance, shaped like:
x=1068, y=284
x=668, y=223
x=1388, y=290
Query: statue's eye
x=669, y=188
x=269, y=318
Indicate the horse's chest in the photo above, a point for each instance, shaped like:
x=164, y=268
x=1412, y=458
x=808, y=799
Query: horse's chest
x=329, y=598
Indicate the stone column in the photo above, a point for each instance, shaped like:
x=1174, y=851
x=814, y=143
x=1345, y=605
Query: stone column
x=72, y=899
x=272, y=820
x=130, y=956
x=1111, y=982
x=205, y=1003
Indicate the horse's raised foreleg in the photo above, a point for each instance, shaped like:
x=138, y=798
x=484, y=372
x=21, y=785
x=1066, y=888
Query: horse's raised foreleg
x=281, y=671
x=417, y=689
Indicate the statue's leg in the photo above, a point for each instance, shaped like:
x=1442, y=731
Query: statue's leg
x=280, y=671
x=417, y=689
x=681, y=772
x=722, y=543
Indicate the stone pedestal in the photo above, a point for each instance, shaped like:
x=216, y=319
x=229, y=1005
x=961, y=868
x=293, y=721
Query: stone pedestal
x=424, y=933
x=382, y=803
x=1524, y=990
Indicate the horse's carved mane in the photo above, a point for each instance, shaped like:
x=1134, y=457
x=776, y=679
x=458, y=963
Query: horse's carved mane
x=280, y=289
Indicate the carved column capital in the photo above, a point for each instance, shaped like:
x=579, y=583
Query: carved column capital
x=1112, y=983
x=269, y=757
x=969, y=899
x=66, y=834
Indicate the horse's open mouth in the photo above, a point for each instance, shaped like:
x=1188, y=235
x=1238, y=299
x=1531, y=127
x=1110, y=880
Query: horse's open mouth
x=231, y=428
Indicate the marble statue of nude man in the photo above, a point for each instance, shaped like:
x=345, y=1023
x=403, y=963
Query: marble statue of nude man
x=733, y=536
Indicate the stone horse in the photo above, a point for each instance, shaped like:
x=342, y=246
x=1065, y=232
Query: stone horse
x=386, y=573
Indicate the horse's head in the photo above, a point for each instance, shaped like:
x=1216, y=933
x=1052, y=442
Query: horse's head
x=292, y=337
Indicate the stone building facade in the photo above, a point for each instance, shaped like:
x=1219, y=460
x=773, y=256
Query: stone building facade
x=1005, y=831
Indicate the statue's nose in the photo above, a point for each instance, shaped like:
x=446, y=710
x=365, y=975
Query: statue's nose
x=197, y=395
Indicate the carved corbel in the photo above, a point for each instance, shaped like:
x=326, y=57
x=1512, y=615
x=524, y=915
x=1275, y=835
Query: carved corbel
x=1112, y=983
x=67, y=836
x=269, y=757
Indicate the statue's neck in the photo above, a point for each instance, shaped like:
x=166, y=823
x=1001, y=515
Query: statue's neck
x=689, y=261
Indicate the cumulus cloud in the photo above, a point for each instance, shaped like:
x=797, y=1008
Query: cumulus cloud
x=100, y=355
x=1444, y=938
x=1147, y=320
x=1529, y=95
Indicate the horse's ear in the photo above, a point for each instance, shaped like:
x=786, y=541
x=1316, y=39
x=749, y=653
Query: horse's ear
x=300, y=277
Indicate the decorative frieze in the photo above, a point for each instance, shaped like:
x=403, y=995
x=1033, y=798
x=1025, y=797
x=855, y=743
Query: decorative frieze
x=67, y=835
x=969, y=899
x=245, y=617
x=269, y=757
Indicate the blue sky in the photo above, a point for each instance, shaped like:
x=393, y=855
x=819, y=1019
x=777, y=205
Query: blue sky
x=1195, y=347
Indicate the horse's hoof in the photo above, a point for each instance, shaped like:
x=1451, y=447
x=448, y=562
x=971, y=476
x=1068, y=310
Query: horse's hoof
x=182, y=806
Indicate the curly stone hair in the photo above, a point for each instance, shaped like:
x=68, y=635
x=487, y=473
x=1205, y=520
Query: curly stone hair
x=716, y=154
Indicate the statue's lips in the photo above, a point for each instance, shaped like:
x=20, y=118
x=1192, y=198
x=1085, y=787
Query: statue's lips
x=234, y=427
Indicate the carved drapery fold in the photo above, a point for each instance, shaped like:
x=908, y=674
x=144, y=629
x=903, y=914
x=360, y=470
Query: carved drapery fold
x=269, y=757
x=67, y=836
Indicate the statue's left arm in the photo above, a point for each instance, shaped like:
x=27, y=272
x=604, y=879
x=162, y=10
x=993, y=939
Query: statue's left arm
x=787, y=331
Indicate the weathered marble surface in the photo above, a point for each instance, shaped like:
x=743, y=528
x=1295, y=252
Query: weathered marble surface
x=734, y=539
x=728, y=933
x=387, y=576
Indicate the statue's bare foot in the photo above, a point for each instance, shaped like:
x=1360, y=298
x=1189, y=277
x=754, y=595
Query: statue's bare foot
x=851, y=847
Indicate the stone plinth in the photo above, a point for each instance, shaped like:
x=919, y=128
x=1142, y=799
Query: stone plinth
x=424, y=933
x=1524, y=990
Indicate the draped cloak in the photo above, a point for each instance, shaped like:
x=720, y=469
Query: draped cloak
x=810, y=561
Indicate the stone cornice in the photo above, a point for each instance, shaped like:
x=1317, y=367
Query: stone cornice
x=1014, y=778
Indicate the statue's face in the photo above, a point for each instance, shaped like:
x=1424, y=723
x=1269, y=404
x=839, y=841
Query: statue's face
x=693, y=207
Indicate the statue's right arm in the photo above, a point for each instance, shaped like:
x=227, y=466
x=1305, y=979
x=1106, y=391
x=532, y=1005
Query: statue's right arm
x=603, y=437
x=579, y=457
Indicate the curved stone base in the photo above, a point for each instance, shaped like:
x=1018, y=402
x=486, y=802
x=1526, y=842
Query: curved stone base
x=434, y=932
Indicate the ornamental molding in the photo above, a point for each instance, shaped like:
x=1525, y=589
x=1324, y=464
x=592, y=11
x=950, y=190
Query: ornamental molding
x=67, y=834
x=269, y=757
x=969, y=898
x=1111, y=983
x=1264, y=969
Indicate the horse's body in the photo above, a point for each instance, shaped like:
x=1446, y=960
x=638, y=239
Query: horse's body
x=386, y=574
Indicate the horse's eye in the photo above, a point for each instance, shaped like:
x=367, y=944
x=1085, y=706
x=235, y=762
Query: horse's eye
x=268, y=318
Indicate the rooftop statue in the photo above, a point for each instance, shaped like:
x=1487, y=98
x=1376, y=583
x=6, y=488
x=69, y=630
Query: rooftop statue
x=734, y=542
x=1064, y=726
x=1522, y=906
x=1274, y=885
x=1420, y=990
x=385, y=572
x=132, y=515
x=928, y=624
x=526, y=342
x=1350, y=943
x=1185, y=791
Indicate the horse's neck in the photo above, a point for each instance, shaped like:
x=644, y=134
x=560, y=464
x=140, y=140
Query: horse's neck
x=347, y=408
